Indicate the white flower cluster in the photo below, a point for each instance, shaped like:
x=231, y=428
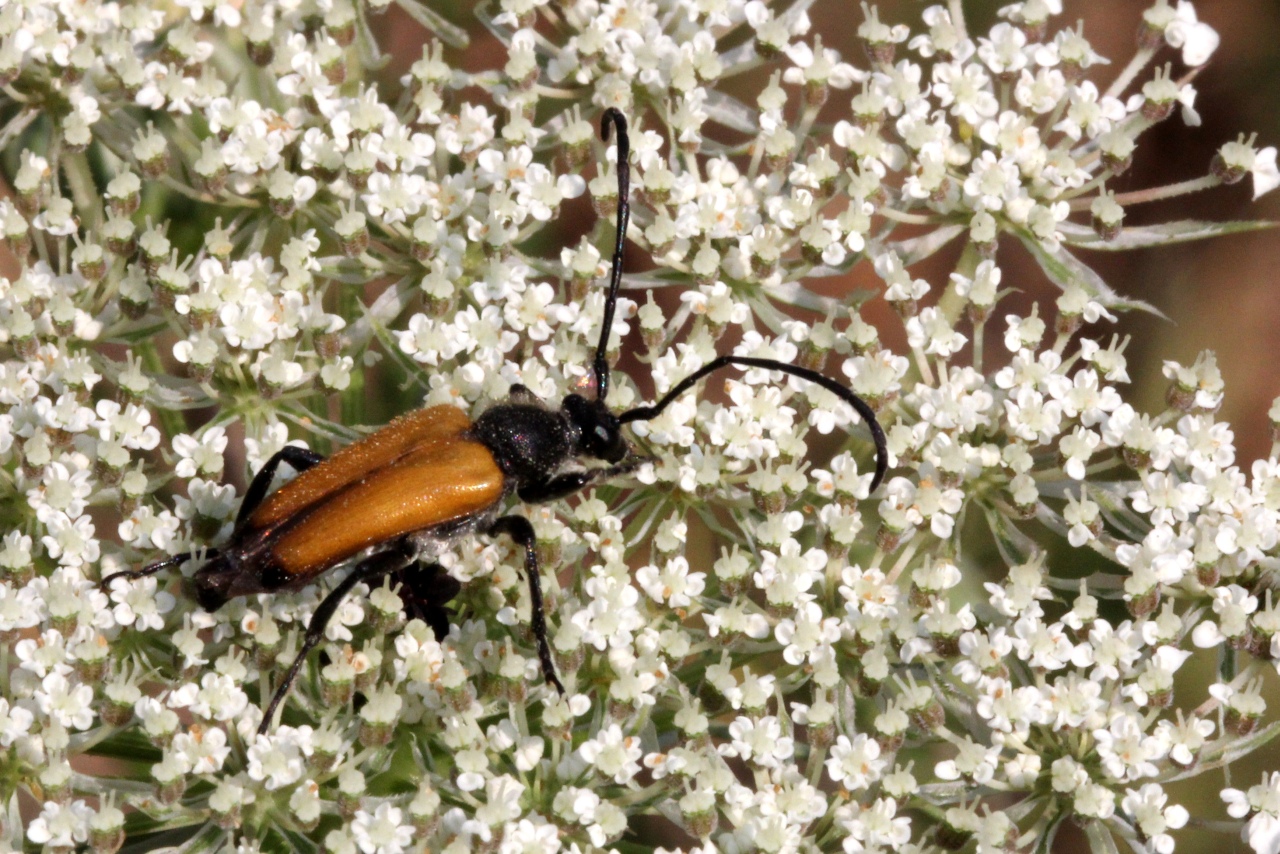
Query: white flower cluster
x=228, y=231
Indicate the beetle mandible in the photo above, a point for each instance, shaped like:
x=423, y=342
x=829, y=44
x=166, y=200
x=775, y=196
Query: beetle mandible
x=403, y=495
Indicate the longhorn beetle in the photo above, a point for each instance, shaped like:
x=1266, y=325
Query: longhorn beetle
x=403, y=495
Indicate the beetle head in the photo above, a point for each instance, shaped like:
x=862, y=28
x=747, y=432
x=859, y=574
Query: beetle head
x=223, y=578
x=211, y=583
x=599, y=431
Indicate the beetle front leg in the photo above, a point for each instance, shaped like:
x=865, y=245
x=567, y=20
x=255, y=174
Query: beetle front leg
x=300, y=458
x=400, y=556
x=564, y=485
x=520, y=530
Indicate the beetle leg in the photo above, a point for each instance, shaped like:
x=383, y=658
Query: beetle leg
x=575, y=481
x=520, y=529
x=300, y=458
x=425, y=589
x=396, y=558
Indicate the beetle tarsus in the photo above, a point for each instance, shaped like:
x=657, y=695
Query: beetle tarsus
x=376, y=566
x=521, y=531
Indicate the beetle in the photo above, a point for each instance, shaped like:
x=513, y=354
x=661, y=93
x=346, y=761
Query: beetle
x=403, y=495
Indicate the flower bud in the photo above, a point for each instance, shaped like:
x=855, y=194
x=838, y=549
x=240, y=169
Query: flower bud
x=351, y=788
x=55, y=780
x=1117, y=149
x=227, y=801
x=353, y=233
x=698, y=809
x=171, y=781
x=91, y=658
x=106, y=829
x=1108, y=216
x=378, y=717
x=424, y=810
x=151, y=150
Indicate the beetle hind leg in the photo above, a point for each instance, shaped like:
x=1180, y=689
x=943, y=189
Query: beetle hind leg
x=396, y=558
x=425, y=589
x=520, y=530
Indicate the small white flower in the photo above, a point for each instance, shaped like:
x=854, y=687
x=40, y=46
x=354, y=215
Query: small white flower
x=279, y=759
x=1262, y=802
x=1184, y=31
x=383, y=832
x=203, y=454
x=67, y=703
x=855, y=763
x=758, y=742
x=673, y=584
x=613, y=754
x=61, y=826
x=141, y=604
x=931, y=332
x=204, y=751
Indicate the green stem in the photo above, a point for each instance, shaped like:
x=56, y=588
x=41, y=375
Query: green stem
x=87, y=199
x=956, y=8
x=1155, y=194
x=978, y=331
x=909, y=218
x=1139, y=61
x=171, y=420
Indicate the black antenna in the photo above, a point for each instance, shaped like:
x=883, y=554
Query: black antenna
x=152, y=568
x=614, y=116
x=644, y=413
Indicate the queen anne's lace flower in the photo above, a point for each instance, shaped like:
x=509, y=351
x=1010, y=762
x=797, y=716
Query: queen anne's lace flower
x=374, y=251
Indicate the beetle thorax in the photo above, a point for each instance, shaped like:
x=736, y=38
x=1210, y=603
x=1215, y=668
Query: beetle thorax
x=529, y=442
